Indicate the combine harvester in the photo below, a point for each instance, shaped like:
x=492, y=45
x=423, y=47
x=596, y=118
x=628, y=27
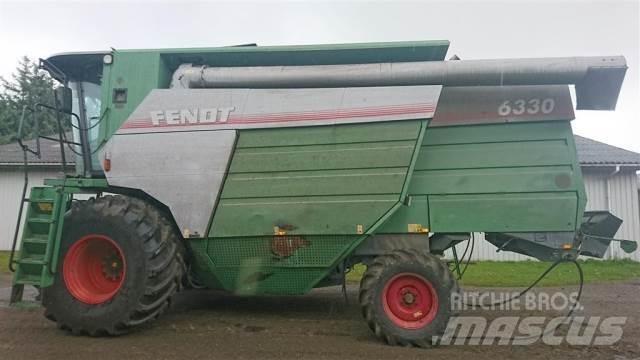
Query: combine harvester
x=274, y=170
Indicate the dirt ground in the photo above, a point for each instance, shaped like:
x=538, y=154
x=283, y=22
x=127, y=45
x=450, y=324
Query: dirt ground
x=206, y=324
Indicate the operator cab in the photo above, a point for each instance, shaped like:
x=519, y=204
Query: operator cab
x=82, y=73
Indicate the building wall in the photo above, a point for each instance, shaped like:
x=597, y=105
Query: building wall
x=618, y=194
x=11, y=181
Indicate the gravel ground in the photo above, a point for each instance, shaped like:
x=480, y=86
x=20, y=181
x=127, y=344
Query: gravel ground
x=207, y=324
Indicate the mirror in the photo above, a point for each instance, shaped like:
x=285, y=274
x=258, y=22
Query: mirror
x=63, y=96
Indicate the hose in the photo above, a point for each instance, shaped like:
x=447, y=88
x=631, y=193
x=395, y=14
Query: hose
x=472, y=243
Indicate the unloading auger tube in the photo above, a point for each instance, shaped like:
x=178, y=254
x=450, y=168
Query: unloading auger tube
x=597, y=79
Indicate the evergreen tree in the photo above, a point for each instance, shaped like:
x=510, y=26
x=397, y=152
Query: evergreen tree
x=28, y=86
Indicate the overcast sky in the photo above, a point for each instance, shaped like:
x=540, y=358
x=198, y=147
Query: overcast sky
x=476, y=29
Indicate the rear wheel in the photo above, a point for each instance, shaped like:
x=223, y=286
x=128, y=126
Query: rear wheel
x=121, y=261
x=406, y=297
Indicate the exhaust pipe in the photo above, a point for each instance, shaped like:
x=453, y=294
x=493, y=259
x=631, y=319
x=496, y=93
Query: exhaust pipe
x=597, y=79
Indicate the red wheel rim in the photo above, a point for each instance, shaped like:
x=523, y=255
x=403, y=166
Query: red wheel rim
x=94, y=269
x=410, y=301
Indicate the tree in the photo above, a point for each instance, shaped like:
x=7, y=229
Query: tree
x=28, y=86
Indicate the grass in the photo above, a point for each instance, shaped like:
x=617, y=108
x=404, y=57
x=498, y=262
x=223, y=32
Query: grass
x=4, y=262
x=523, y=273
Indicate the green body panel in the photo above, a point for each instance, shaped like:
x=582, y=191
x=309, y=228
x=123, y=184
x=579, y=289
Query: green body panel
x=503, y=212
x=513, y=177
x=322, y=180
x=139, y=73
x=326, y=187
x=310, y=182
x=248, y=265
x=309, y=214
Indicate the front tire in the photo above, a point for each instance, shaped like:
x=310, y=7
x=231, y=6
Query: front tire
x=405, y=297
x=121, y=261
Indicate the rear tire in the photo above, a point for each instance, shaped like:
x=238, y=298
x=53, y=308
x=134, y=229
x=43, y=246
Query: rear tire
x=405, y=297
x=147, y=259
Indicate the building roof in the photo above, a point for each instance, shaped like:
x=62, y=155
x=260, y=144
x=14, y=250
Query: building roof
x=11, y=154
x=590, y=153
x=595, y=153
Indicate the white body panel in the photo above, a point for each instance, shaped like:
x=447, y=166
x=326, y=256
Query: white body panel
x=215, y=109
x=182, y=170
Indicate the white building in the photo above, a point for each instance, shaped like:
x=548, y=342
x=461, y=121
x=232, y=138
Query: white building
x=609, y=174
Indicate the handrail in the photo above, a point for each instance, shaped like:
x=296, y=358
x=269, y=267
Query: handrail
x=25, y=151
x=20, y=127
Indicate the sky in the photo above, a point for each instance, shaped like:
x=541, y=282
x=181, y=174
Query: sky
x=477, y=30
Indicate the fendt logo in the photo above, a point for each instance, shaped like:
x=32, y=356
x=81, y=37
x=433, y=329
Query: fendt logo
x=191, y=116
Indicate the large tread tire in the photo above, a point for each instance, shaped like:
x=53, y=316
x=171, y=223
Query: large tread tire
x=381, y=270
x=154, y=255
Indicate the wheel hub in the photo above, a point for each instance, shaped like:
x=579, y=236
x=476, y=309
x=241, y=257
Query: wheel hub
x=94, y=269
x=409, y=298
x=410, y=301
x=112, y=266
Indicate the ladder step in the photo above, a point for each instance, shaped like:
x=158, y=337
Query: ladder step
x=40, y=220
x=42, y=200
x=33, y=260
x=37, y=239
x=28, y=279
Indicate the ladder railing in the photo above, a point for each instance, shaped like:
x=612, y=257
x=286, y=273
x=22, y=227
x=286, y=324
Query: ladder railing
x=25, y=165
x=26, y=150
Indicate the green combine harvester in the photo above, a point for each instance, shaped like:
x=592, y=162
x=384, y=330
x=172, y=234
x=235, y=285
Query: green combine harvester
x=275, y=170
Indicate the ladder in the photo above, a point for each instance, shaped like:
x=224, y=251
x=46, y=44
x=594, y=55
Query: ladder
x=36, y=263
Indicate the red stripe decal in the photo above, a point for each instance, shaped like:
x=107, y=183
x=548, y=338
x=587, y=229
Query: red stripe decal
x=286, y=117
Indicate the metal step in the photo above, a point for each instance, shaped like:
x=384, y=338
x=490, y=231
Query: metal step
x=42, y=200
x=29, y=279
x=40, y=220
x=36, y=239
x=33, y=259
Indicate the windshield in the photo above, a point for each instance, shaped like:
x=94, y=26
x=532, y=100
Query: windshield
x=92, y=103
